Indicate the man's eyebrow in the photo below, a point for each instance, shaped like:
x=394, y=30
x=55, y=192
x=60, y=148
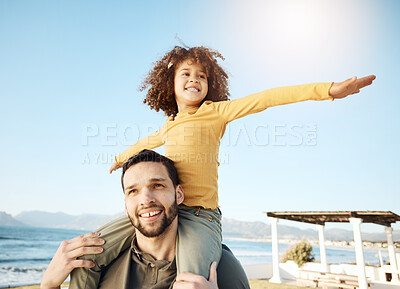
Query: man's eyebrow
x=157, y=180
x=130, y=187
x=152, y=180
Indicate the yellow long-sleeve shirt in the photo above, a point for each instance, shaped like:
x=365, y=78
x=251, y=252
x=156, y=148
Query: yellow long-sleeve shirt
x=192, y=137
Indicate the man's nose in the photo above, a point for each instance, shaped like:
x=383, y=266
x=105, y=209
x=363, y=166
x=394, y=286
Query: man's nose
x=146, y=197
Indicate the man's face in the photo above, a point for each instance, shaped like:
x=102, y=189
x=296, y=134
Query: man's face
x=151, y=200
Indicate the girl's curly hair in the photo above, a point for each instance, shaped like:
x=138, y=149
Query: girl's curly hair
x=160, y=80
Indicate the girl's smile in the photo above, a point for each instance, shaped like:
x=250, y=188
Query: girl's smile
x=190, y=84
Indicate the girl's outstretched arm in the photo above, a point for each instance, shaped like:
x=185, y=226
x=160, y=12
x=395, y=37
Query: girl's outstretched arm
x=350, y=86
x=254, y=103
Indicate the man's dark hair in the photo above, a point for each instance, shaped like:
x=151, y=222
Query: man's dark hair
x=151, y=156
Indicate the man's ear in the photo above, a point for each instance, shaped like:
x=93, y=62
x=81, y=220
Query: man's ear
x=179, y=194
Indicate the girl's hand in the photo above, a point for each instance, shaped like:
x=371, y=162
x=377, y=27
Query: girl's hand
x=114, y=167
x=65, y=259
x=350, y=86
x=190, y=280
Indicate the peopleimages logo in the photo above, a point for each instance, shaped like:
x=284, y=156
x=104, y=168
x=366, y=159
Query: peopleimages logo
x=97, y=139
x=112, y=134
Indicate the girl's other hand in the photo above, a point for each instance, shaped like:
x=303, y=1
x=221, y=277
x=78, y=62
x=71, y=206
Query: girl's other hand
x=114, y=167
x=190, y=280
x=350, y=86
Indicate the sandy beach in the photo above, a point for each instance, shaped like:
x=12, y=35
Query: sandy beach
x=257, y=275
x=259, y=271
x=254, y=284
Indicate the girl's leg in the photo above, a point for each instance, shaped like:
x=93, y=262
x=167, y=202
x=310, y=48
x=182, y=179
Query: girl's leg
x=199, y=240
x=118, y=235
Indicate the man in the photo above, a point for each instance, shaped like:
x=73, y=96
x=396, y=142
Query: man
x=152, y=196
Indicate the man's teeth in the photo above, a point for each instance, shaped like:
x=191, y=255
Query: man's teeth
x=192, y=89
x=150, y=214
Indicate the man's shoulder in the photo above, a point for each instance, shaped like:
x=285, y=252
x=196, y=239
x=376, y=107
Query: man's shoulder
x=115, y=275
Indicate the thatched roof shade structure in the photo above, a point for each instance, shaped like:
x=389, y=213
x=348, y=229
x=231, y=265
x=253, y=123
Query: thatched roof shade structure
x=385, y=218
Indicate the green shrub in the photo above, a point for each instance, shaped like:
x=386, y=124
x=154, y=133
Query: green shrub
x=300, y=253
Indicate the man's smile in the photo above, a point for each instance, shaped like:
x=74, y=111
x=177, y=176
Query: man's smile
x=150, y=214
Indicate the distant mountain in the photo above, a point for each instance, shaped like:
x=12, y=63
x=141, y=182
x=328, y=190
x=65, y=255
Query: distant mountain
x=89, y=222
x=293, y=233
x=346, y=235
x=260, y=230
x=339, y=234
x=231, y=228
x=8, y=220
x=62, y=220
x=43, y=219
x=239, y=229
x=375, y=237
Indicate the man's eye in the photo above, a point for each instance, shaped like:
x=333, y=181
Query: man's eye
x=132, y=191
x=158, y=186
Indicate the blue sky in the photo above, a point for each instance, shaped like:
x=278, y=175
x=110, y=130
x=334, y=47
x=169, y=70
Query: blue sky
x=69, y=78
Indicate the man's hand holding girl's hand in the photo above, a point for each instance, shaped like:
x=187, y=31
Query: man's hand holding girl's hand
x=65, y=259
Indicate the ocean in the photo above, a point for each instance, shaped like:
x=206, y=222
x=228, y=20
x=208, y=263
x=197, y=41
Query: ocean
x=25, y=253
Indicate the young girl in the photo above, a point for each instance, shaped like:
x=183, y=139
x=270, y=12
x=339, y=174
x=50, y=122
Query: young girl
x=191, y=88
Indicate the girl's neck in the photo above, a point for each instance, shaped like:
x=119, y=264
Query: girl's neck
x=183, y=108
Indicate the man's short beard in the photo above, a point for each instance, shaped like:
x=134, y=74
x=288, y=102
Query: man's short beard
x=167, y=218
